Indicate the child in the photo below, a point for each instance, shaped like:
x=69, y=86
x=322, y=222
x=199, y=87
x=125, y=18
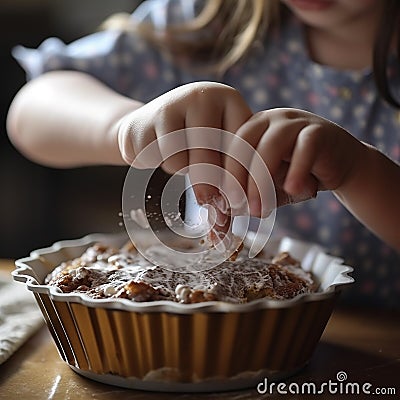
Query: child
x=234, y=65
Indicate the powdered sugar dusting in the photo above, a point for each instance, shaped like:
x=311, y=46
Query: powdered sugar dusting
x=104, y=272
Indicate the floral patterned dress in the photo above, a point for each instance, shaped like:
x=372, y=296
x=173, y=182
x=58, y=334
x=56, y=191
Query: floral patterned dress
x=278, y=73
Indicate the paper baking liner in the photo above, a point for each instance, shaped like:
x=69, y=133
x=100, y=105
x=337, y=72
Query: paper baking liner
x=168, y=346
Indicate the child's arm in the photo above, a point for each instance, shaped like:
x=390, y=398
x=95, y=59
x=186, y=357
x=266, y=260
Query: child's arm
x=372, y=193
x=67, y=119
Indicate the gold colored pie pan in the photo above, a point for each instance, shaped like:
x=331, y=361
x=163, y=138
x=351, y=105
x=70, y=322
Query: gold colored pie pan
x=167, y=346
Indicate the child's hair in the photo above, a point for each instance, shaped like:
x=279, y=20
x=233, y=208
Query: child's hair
x=227, y=30
x=388, y=31
x=239, y=25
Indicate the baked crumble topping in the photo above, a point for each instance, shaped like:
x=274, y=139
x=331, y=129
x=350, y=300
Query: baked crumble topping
x=106, y=272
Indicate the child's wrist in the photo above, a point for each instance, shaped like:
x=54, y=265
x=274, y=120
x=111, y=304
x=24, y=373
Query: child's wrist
x=365, y=157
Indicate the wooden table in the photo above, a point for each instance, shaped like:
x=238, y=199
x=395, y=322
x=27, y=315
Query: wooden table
x=365, y=344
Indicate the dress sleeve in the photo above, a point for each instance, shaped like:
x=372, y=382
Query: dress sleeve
x=86, y=54
x=120, y=59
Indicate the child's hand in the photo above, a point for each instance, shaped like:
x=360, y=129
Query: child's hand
x=200, y=104
x=304, y=153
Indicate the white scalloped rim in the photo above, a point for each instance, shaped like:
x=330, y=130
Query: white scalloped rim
x=330, y=271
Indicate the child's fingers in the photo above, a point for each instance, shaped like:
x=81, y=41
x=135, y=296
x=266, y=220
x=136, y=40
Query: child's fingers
x=290, y=152
x=299, y=180
x=239, y=152
x=262, y=208
x=273, y=151
x=209, y=123
x=263, y=199
x=133, y=138
x=203, y=137
x=171, y=140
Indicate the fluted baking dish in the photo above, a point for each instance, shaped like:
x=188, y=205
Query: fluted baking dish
x=167, y=346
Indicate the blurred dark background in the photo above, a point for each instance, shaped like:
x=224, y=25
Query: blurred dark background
x=41, y=205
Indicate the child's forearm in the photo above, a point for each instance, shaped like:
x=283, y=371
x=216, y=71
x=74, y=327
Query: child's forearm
x=67, y=119
x=372, y=194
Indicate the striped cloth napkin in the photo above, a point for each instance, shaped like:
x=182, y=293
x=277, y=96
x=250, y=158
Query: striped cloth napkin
x=20, y=316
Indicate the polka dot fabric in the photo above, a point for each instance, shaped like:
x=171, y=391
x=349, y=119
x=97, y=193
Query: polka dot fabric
x=277, y=73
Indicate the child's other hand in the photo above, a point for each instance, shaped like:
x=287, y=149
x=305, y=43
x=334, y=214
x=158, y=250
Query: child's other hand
x=304, y=154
